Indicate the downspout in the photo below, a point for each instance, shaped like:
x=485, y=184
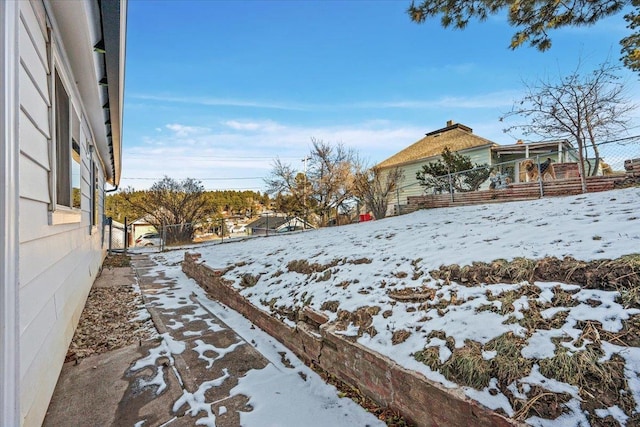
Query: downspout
x=112, y=190
x=9, y=231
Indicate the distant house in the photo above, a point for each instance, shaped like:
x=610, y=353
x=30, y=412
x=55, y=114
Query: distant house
x=61, y=97
x=271, y=224
x=455, y=136
x=139, y=227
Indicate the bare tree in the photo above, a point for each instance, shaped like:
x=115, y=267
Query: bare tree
x=588, y=108
x=290, y=187
x=169, y=202
x=328, y=184
x=331, y=175
x=374, y=186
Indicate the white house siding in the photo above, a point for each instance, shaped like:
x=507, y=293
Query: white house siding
x=58, y=262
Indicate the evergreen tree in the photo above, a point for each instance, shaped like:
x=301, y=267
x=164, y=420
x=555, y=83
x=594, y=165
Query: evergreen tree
x=535, y=18
x=453, y=172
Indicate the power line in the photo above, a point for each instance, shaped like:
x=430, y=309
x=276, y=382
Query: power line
x=147, y=156
x=198, y=179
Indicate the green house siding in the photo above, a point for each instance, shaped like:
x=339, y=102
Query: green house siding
x=409, y=186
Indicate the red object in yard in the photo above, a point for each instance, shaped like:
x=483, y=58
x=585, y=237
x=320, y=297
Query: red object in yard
x=365, y=217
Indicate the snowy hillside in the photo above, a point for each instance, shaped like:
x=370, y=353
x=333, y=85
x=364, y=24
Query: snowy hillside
x=549, y=353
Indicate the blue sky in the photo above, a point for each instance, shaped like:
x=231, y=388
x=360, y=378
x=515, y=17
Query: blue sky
x=215, y=90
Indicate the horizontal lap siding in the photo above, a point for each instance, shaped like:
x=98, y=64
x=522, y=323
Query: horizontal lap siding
x=58, y=263
x=34, y=143
x=410, y=186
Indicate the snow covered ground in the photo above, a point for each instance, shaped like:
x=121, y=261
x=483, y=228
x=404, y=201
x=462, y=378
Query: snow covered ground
x=282, y=392
x=362, y=265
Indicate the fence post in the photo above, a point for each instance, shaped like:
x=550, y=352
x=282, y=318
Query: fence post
x=126, y=236
x=221, y=230
x=450, y=183
x=110, y=233
x=539, y=176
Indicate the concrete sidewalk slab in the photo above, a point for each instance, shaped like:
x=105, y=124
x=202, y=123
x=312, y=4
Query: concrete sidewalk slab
x=152, y=382
x=97, y=392
x=213, y=352
x=196, y=372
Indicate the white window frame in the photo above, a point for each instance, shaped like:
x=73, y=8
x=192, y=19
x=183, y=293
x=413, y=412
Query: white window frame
x=94, y=208
x=61, y=213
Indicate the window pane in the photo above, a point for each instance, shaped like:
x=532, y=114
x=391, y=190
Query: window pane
x=75, y=175
x=94, y=194
x=63, y=136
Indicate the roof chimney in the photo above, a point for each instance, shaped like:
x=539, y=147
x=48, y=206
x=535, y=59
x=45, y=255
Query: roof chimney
x=449, y=123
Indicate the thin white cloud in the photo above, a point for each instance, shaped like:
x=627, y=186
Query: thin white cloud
x=253, y=126
x=183, y=131
x=488, y=100
x=219, y=102
x=242, y=149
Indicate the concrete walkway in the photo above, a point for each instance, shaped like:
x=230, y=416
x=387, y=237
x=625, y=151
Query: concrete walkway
x=189, y=375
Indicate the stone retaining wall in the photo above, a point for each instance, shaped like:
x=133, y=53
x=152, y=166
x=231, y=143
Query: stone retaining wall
x=421, y=401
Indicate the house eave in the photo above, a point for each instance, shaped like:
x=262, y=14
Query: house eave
x=542, y=147
x=80, y=26
x=114, y=20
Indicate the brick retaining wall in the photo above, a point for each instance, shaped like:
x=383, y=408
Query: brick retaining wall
x=421, y=401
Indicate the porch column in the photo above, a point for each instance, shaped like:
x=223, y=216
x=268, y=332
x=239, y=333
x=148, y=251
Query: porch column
x=9, y=177
x=560, y=153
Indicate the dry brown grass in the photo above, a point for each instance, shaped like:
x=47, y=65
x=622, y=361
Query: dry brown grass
x=331, y=306
x=400, y=336
x=303, y=266
x=466, y=366
x=540, y=402
x=622, y=274
x=412, y=294
x=117, y=260
x=508, y=365
x=362, y=318
x=249, y=280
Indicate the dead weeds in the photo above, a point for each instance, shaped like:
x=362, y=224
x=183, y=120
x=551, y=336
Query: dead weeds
x=303, y=266
x=400, y=336
x=362, y=318
x=117, y=260
x=108, y=322
x=618, y=274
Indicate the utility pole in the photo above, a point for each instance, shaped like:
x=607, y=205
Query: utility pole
x=304, y=192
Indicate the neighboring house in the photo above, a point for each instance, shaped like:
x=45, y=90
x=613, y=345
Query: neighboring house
x=271, y=224
x=61, y=95
x=508, y=157
x=139, y=227
x=457, y=137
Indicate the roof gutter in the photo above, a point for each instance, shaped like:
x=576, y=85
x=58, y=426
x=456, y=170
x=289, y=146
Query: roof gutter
x=112, y=190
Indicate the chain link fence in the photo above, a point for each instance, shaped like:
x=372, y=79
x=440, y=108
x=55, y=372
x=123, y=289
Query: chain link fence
x=114, y=235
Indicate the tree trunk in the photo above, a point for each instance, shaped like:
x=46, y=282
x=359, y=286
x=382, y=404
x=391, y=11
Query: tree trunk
x=583, y=179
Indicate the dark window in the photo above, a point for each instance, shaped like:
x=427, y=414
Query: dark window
x=67, y=150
